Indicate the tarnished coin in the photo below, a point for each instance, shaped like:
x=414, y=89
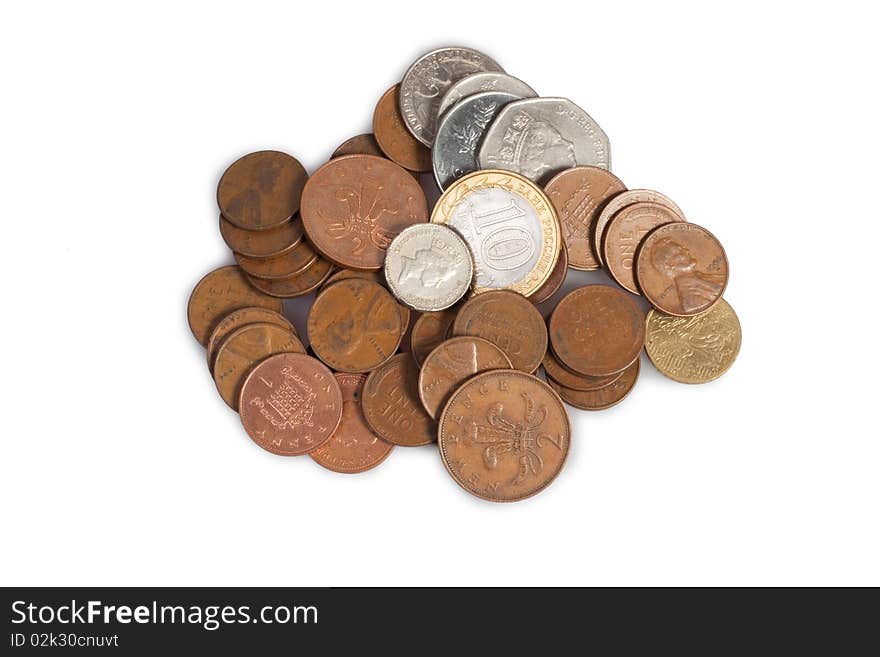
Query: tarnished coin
x=353, y=447
x=280, y=266
x=219, y=293
x=578, y=195
x=460, y=132
x=625, y=232
x=539, y=137
x=504, y=435
x=238, y=318
x=429, y=267
x=427, y=80
x=558, y=373
x=359, y=145
x=557, y=278
x=694, y=349
x=261, y=190
x=509, y=225
x=508, y=320
x=391, y=403
x=597, y=330
x=355, y=325
x=308, y=280
x=488, y=81
x=244, y=348
x=602, y=398
x=451, y=364
x=429, y=330
x=290, y=404
x=342, y=274
x=682, y=269
x=394, y=138
x=353, y=207
x=261, y=243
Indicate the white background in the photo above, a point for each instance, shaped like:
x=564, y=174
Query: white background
x=122, y=466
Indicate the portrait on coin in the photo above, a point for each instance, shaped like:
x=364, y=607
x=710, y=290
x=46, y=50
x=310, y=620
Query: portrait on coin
x=430, y=267
x=695, y=289
x=542, y=148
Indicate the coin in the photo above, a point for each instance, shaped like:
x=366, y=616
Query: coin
x=510, y=226
x=539, y=137
x=219, y=293
x=355, y=325
x=261, y=190
x=460, y=132
x=428, y=267
x=391, y=403
x=238, y=318
x=578, y=195
x=342, y=274
x=394, y=138
x=508, y=320
x=504, y=435
x=605, y=397
x=308, y=280
x=354, y=205
x=429, y=330
x=557, y=278
x=625, y=232
x=359, y=145
x=452, y=363
x=597, y=330
x=682, y=269
x=280, y=266
x=558, y=373
x=694, y=349
x=425, y=82
x=290, y=404
x=488, y=81
x=353, y=447
x=261, y=243
x=244, y=348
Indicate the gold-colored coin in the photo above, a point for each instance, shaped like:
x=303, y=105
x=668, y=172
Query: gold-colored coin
x=694, y=349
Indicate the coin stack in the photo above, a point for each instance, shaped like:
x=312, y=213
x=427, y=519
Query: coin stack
x=527, y=194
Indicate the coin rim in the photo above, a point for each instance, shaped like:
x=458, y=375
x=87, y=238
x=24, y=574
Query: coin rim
x=387, y=363
x=562, y=390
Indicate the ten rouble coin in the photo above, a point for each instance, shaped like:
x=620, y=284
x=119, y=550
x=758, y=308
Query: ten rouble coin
x=424, y=84
x=460, y=132
x=238, y=318
x=364, y=144
x=290, y=404
x=393, y=137
x=429, y=267
x=429, y=330
x=557, y=278
x=391, y=403
x=602, y=398
x=261, y=243
x=558, y=373
x=280, y=266
x=616, y=203
x=478, y=82
x=509, y=225
x=539, y=137
x=353, y=206
x=682, y=269
x=504, y=435
x=308, y=280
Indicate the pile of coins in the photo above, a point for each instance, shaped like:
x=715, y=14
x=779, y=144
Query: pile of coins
x=425, y=327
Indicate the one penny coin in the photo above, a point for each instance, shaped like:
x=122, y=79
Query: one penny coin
x=557, y=278
x=504, y=435
x=261, y=190
x=617, y=203
x=238, y=318
x=282, y=266
x=429, y=330
x=261, y=243
x=290, y=404
x=394, y=138
x=308, y=280
x=451, y=364
x=353, y=207
x=391, y=403
x=597, y=330
x=682, y=269
x=597, y=400
x=359, y=145
x=565, y=377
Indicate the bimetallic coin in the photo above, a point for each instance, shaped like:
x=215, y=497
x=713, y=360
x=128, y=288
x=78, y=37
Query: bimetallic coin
x=393, y=137
x=281, y=266
x=557, y=278
x=602, y=398
x=235, y=320
x=558, y=373
x=460, y=132
x=427, y=80
x=391, y=403
x=308, y=280
x=364, y=144
x=429, y=330
x=509, y=225
x=428, y=267
x=261, y=243
x=489, y=81
x=539, y=137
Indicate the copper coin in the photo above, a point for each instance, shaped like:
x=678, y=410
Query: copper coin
x=565, y=377
x=451, y=364
x=261, y=243
x=238, y=318
x=391, y=403
x=508, y=320
x=682, y=269
x=219, y=293
x=625, y=232
x=394, y=138
x=308, y=280
x=597, y=330
x=597, y=400
x=578, y=194
x=359, y=145
x=355, y=205
x=290, y=404
x=504, y=435
x=376, y=277
x=353, y=447
x=261, y=190
x=280, y=266
x=355, y=325
x=557, y=278
x=244, y=348
x=429, y=330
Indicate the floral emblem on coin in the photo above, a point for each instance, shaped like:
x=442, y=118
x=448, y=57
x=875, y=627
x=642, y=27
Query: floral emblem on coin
x=363, y=207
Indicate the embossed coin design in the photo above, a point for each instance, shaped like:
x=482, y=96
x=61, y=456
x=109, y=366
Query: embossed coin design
x=261, y=243
x=290, y=404
x=564, y=377
x=235, y=320
x=394, y=138
x=391, y=403
x=364, y=144
x=557, y=278
x=304, y=282
x=682, y=269
x=602, y=398
x=280, y=266
x=429, y=330
x=504, y=435
x=488, y=81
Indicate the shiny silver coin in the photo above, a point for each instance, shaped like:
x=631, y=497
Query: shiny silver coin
x=427, y=80
x=478, y=82
x=460, y=133
x=539, y=137
x=428, y=267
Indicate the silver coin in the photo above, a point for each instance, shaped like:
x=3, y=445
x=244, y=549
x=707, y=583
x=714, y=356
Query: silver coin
x=489, y=81
x=539, y=137
x=460, y=133
x=428, y=267
x=426, y=81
